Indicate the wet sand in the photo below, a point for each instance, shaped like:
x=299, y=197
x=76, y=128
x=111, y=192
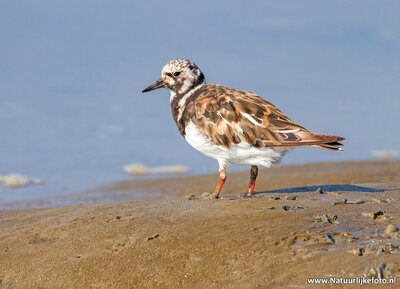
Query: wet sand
x=289, y=232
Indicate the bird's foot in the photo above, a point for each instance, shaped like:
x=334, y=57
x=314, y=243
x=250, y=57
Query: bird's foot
x=210, y=196
x=247, y=196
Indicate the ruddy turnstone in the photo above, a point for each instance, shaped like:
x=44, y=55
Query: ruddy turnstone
x=232, y=126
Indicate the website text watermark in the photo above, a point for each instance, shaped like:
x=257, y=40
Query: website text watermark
x=356, y=280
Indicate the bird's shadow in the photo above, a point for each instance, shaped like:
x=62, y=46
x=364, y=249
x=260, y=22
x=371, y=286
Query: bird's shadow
x=325, y=188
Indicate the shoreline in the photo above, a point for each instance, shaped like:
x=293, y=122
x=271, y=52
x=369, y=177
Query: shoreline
x=278, y=177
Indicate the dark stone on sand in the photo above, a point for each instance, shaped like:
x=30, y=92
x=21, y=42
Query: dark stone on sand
x=346, y=201
x=152, y=237
x=330, y=237
x=377, y=216
x=190, y=197
x=293, y=208
x=328, y=219
x=359, y=251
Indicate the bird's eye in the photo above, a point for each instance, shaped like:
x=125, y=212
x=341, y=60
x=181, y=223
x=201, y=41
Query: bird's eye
x=177, y=73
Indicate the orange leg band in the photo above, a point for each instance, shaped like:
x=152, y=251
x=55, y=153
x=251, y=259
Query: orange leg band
x=221, y=182
x=253, y=177
x=251, y=187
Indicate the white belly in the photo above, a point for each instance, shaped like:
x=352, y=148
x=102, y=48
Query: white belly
x=241, y=154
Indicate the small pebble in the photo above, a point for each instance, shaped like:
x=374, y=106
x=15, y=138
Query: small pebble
x=355, y=202
x=328, y=219
x=334, y=193
x=196, y=258
x=382, y=271
x=380, y=201
x=287, y=208
x=152, y=237
x=388, y=249
x=358, y=251
x=391, y=232
x=330, y=237
x=345, y=201
x=377, y=216
x=113, y=218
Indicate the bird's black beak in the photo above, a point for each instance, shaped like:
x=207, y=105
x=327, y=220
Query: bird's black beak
x=158, y=84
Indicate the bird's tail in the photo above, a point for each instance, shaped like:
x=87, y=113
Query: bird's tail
x=330, y=142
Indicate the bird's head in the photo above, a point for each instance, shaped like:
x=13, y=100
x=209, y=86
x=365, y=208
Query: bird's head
x=178, y=76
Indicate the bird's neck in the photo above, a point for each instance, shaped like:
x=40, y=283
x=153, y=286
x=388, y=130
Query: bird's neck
x=178, y=105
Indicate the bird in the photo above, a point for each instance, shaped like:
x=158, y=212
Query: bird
x=232, y=126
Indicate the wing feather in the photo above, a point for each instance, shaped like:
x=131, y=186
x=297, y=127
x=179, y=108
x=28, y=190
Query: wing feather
x=228, y=116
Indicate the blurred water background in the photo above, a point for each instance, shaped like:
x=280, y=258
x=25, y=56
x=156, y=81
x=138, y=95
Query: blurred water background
x=71, y=74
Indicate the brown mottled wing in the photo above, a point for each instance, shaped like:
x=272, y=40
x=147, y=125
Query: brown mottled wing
x=228, y=116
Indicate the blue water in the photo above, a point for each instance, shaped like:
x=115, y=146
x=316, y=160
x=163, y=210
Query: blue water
x=71, y=75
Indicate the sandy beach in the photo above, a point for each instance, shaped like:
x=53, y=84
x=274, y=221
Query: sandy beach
x=324, y=220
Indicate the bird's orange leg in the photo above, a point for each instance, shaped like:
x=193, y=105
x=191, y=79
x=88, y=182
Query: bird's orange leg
x=253, y=177
x=222, y=178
